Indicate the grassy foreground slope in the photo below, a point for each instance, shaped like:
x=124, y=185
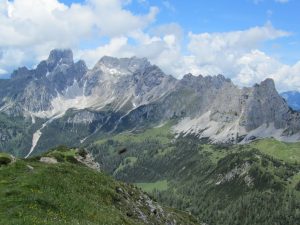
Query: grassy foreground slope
x=253, y=184
x=68, y=192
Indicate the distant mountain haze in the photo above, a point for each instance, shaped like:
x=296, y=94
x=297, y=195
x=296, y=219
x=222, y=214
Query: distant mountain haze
x=293, y=99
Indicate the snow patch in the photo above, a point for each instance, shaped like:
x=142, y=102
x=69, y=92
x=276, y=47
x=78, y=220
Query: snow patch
x=32, y=119
x=83, y=140
x=37, y=135
x=35, y=139
x=73, y=98
x=112, y=74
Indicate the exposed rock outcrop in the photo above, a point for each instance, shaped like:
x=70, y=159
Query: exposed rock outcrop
x=128, y=93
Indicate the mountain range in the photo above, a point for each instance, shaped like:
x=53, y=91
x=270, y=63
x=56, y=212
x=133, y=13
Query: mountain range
x=62, y=98
x=224, y=154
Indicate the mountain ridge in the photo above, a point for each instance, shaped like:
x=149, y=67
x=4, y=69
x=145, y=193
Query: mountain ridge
x=126, y=94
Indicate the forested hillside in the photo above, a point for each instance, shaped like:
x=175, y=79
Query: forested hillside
x=257, y=183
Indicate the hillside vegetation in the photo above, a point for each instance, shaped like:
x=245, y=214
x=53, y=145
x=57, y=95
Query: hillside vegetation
x=56, y=188
x=257, y=183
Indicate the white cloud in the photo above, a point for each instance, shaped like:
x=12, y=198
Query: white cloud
x=237, y=55
x=165, y=29
x=113, y=48
x=30, y=29
x=234, y=54
x=113, y=20
x=34, y=27
x=162, y=47
x=11, y=59
x=237, y=41
x=3, y=72
x=40, y=21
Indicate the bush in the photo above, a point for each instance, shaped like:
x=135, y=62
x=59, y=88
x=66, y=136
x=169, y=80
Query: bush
x=62, y=148
x=5, y=160
x=71, y=159
x=58, y=156
x=298, y=186
x=82, y=152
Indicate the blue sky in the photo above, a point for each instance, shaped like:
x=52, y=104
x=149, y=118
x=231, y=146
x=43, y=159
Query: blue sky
x=246, y=40
x=201, y=16
x=224, y=16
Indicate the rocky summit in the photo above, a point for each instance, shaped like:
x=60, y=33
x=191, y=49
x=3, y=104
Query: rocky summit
x=61, y=98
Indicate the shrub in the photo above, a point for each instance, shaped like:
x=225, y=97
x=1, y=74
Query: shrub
x=5, y=160
x=82, y=152
x=298, y=186
x=62, y=148
x=58, y=156
x=71, y=159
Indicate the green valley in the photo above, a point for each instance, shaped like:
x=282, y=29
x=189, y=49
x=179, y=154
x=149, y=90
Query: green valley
x=256, y=183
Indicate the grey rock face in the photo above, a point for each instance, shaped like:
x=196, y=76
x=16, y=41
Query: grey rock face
x=22, y=72
x=137, y=93
x=234, y=113
x=129, y=65
x=33, y=90
x=85, y=117
x=59, y=57
x=265, y=106
x=126, y=83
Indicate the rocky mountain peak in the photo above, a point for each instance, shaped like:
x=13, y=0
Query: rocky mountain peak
x=268, y=84
x=60, y=56
x=140, y=90
x=267, y=89
x=21, y=72
x=123, y=64
x=56, y=57
x=190, y=76
x=200, y=82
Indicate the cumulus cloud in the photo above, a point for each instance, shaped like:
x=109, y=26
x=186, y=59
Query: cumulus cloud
x=30, y=29
x=237, y=55
x=2, y=72
x=234, y=54
x=113, y=48
x=40, y=21
x=34, y=27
